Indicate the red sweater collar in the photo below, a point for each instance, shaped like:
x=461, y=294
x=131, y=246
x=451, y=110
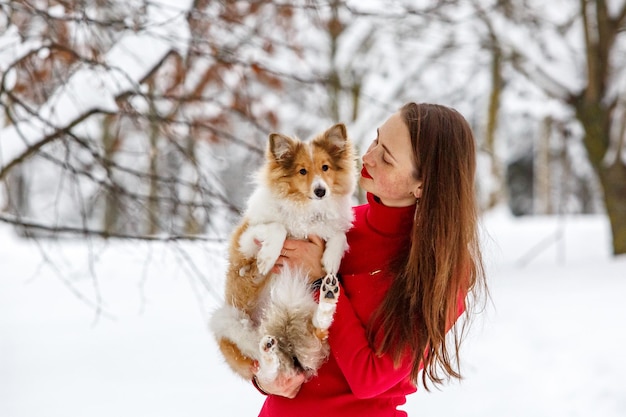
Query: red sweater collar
x=389, y=220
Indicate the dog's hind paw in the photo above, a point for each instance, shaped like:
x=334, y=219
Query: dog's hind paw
x=268, y=361
x=329, y=294
x=329, y=290
x=268, y=344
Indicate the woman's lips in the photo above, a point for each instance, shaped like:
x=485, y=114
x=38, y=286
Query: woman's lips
x=364, y=173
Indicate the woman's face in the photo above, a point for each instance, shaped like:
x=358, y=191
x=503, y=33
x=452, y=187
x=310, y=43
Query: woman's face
x=388, y=165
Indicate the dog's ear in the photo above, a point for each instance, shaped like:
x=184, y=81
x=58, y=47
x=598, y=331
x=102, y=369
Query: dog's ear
x=337, y=135
x=281, y=147
x=334, y=140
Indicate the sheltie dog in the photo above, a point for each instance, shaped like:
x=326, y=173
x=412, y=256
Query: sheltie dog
x=272, y=319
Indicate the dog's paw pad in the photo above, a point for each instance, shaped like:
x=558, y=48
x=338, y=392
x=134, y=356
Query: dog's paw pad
x=268, y=360
x=329, y=294
x=330, y=288
x=268, y=344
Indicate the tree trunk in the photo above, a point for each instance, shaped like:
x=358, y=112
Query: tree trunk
x=153, y=202
x=112, y=209
x=613, y=179
x=192, y=224
x=495, y=195
x=595, y=120
x=542, y=178
x=153, y=169
x=335, y=28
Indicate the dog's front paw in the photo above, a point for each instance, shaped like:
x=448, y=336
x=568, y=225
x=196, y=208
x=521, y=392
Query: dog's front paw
x=265, y=263
x=248, y=246
x=244, y=270
x=268, y=255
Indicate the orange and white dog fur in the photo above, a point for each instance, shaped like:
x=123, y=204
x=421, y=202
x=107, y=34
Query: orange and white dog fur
x=272, y=319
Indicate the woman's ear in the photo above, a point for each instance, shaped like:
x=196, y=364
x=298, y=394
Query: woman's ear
x=417, y=191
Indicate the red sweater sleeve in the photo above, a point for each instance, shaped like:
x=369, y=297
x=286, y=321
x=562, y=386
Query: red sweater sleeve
x=367, y=373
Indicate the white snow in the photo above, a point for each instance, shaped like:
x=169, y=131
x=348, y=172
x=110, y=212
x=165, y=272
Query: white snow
x=550, y=344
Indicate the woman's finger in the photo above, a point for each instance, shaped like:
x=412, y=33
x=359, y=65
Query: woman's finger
x=292, y=385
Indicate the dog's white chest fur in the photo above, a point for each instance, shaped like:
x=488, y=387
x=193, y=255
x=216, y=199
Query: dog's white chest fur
x=321, y=217
x=272, y=220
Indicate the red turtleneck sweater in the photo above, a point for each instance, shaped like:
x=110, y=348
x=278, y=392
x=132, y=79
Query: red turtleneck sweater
x=355, y=381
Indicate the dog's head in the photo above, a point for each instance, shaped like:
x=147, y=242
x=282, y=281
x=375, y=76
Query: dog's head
x=311, y=171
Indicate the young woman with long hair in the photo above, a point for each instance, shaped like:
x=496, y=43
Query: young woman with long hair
x=413, y=267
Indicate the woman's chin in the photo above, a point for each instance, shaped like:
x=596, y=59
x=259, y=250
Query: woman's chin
x=365, y=183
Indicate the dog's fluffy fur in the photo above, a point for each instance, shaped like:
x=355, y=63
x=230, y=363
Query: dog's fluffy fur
x=303, y=189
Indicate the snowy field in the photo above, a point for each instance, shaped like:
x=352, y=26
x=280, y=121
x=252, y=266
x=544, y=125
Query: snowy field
x=550, y=344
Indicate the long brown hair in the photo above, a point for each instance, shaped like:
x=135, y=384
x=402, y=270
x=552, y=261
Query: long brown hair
x=443, y=263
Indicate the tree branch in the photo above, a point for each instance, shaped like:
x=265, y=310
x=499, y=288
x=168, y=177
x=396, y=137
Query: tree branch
x=30, y=226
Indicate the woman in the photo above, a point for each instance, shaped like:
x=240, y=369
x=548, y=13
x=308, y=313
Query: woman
x=414, y=257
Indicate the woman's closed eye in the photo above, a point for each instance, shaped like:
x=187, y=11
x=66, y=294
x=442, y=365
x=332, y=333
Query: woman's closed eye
x=384, y=153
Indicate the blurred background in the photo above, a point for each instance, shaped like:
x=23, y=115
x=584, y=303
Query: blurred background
x=136, y=125
x=141, y=118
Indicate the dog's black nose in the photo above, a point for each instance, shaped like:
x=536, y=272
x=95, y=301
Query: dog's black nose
x=320, y=192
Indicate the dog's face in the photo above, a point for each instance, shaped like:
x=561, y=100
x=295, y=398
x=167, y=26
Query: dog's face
x=312, y=171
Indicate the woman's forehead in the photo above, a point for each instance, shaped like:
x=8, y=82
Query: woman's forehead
x=394, y=134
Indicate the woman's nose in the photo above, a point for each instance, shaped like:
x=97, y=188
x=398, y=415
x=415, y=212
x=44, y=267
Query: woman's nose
x=368, y=157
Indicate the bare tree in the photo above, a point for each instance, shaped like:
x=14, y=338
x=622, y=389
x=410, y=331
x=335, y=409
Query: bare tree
x=547, y=43
x=134, y=119
x=115, y=112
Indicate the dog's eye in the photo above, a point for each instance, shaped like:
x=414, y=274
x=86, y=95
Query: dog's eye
x=324, y=167
x=303, y=171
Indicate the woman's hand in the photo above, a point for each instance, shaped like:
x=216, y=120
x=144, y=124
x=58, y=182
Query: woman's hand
x=283, y=385
x=306, y=254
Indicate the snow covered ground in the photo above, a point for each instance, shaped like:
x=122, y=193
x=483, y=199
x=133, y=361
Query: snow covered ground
x=550, y=344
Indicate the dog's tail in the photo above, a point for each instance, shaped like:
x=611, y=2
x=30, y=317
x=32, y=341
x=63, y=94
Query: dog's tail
x=290, y=291
x=230, y=323
x=288, y=318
